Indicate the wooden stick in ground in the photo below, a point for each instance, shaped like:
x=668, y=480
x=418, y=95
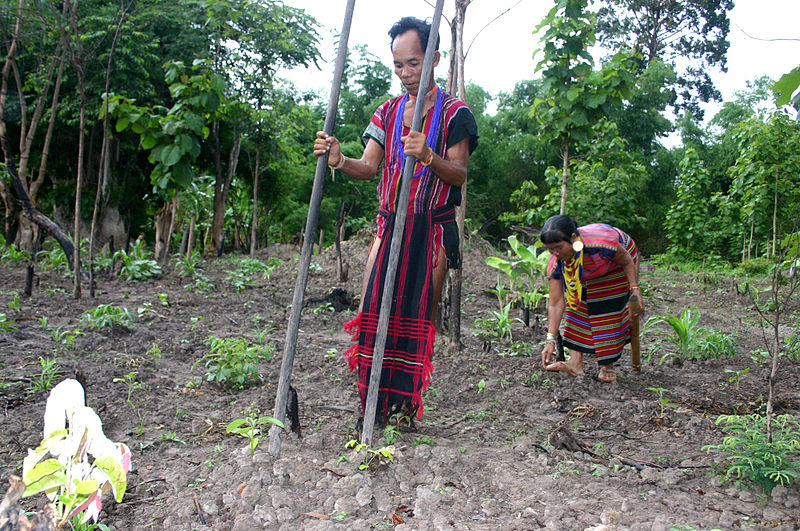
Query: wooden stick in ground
x=282, y=395
x=397, y=237
x=636, y=361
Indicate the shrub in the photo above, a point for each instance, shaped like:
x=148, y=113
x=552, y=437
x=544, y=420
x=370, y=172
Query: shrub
x=751, y=454
x=107, y=315
x=233, y=362
x=137, y=265
x=692, y=340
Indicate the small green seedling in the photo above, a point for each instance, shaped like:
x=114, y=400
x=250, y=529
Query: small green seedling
x=736, y=376
x=252, y=428
x=663, y=400
x=371, y=457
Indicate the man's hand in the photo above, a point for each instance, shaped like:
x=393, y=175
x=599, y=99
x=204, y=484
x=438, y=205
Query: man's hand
x=415, y=143
x=326, y=143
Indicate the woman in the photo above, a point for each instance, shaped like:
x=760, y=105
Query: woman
x=592, y=274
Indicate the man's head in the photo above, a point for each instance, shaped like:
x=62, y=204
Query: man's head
x=409, y=40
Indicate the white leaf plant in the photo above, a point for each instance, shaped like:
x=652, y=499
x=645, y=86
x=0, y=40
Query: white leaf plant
x=60, y=466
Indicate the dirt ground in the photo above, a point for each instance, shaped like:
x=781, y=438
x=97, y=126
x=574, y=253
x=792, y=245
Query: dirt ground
x=481, y=458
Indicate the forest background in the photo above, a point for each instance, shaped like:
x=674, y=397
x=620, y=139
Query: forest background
x=202, y=143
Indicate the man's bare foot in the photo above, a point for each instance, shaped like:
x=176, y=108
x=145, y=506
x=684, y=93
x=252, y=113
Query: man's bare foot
x=567, y=367
x=607, y=374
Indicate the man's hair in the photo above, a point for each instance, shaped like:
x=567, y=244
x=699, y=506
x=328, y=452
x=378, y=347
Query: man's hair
x=558, y=228
x=413, y=23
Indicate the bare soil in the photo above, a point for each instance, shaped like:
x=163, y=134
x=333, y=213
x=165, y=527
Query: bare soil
x=502, y=444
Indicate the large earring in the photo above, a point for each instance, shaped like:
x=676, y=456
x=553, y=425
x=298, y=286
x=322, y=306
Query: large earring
x=577, y=246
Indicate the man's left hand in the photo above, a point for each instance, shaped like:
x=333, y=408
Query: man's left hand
x=415, y=143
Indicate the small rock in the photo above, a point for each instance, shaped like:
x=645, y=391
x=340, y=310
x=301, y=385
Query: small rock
x=364, y=496
x=490, y=508
x=602, y=527
x=747, y=496
x=346, y=504
x=383, y=502
x=427, y=500
x=661, y=523
x=244, y=522
x=779, y=494
x=727, y=519
x=284, y=514
x=210, y=507
x=773, y=515
x=610, y=516
x=627, y=506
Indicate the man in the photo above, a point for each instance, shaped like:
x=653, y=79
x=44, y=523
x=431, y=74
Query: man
x=430, y=244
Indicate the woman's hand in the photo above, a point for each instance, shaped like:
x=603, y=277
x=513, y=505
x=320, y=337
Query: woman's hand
x=326, y=143
x=636, y=302
x=547, y=353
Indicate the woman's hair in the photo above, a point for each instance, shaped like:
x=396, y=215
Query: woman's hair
x=413, y=23
x=558, y=228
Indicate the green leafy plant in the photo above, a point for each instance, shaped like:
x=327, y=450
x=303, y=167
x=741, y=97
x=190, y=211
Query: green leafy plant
x=13, y=255
x=253, y=428
x=233, y=362
x=137, y=264
x=14, y=303
x=372, y=457
x=691, y=340
x=6, y=324
x=66, y=337
x=200, y=283
x=391, y=433
x=663, y=399
x=242, y=277
x=736, y=376
x=754, y=456
x=172, y=435
x=107, y=315
x=424, y=439
x=130, y=381
x=44, y=380
x=497, y=325
x=186, y=265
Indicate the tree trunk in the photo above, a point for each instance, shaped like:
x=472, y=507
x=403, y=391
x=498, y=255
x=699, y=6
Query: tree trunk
x=254, y=221
x=456, y=277
x=564, y=175
x=341, y=267
x=190, y=242
x=775, y=215
x=221, y=189
x=163, y=228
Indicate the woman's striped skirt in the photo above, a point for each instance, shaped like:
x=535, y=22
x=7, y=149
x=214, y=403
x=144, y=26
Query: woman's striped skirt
x=601, y=323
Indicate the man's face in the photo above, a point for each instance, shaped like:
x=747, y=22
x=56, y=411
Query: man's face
x=408, y=55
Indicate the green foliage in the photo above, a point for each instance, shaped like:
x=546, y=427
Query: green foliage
x=6, y=324
x=13, y=255
x=754, y=455
x=691, y=340
x=786, y=87
x=688, y=224
x=66, y=337
x=105, y=315
x=663, y=399
x=242, y=277
x=233, y=362
x=44, y=380
x=253, y=428
x=497, y=324
x=52, y=257
x=372, y=457
x=137, y=265
x=130, y=381
x=524, y=270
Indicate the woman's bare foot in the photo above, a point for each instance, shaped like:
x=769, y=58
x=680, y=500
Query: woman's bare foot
x=607, y=374
x=569, y=367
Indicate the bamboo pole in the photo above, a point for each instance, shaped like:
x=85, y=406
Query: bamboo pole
x=397, y=236
x=293, y=327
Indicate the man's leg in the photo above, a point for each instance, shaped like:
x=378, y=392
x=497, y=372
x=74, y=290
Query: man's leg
x=373, y=253
x=438, y=281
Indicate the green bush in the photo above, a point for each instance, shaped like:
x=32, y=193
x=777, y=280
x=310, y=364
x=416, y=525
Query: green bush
x=241, y=277
x=753, y=456
x=691, y=340
x=233, y=362
x=107, y=315
x=137, y=265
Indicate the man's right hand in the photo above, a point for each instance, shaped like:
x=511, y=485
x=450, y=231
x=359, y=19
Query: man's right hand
x=326, y=143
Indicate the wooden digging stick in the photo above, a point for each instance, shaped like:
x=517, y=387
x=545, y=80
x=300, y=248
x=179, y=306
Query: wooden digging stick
x=397, y=237
x=281, y=398
x=636, y=361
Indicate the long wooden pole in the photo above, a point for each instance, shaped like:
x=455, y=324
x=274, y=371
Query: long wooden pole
x=397, y=236
x=282, y=395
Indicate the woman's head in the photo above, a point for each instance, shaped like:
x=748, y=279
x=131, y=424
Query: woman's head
x=558, y=228
x=557, y=235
